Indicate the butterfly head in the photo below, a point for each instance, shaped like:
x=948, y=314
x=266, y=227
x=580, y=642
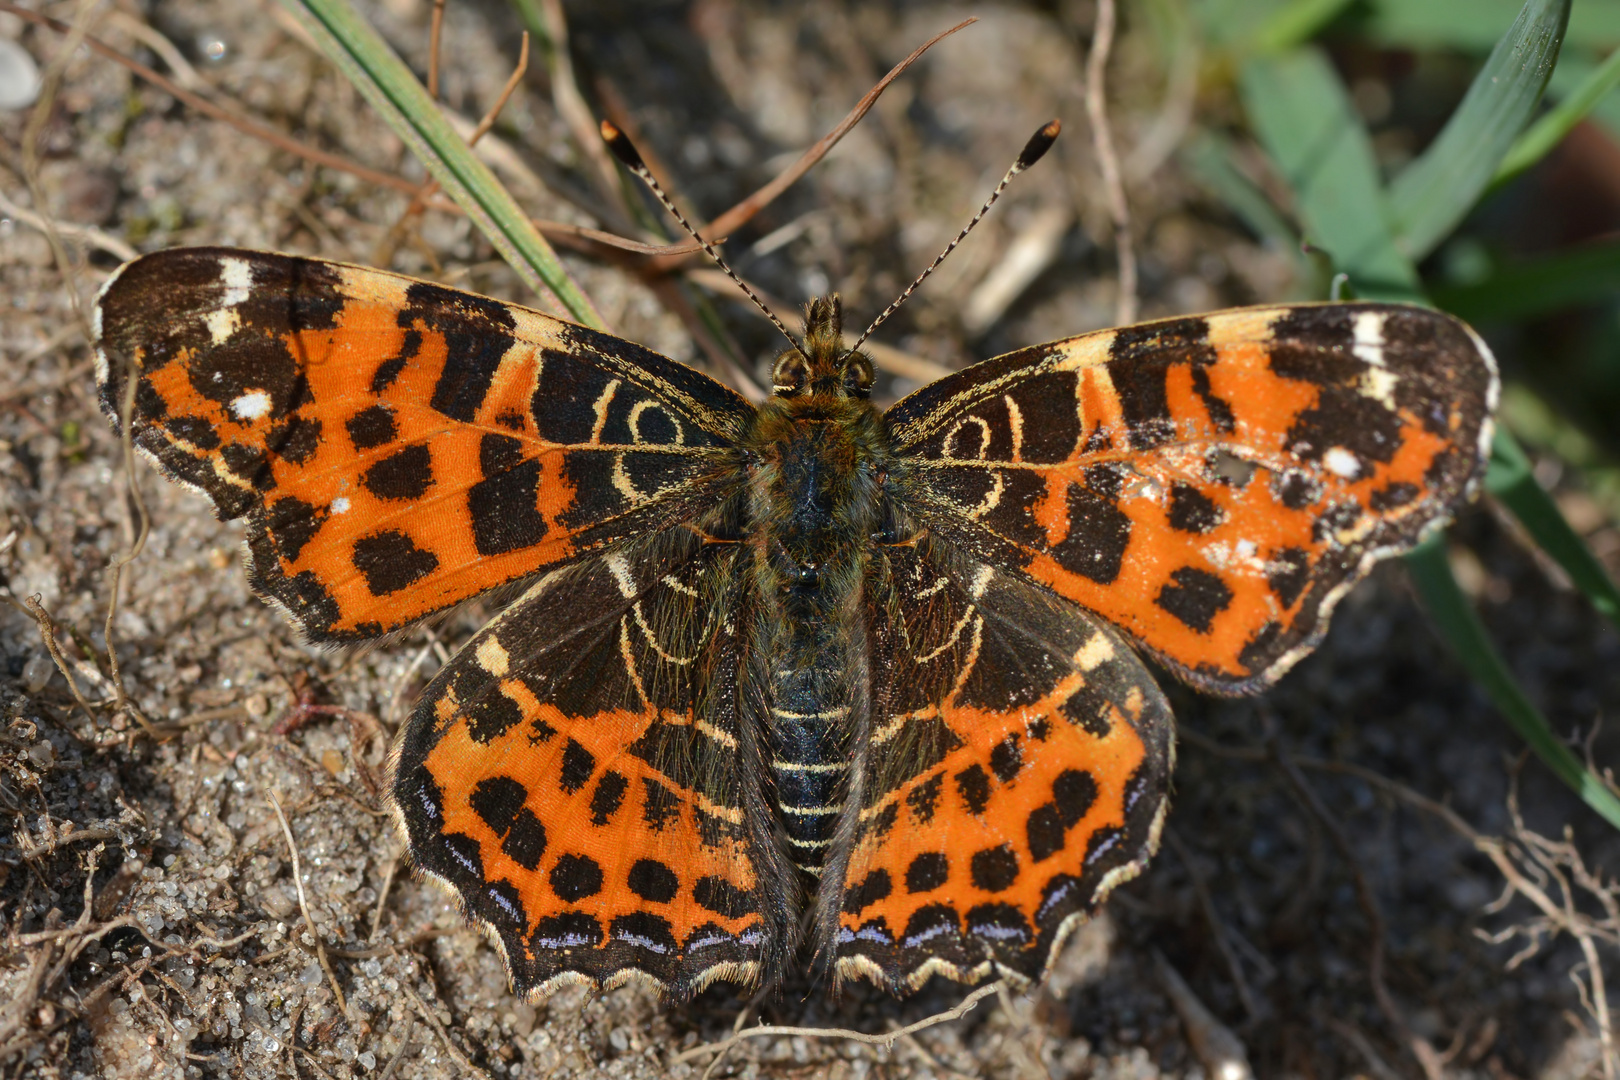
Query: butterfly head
x=824, y=367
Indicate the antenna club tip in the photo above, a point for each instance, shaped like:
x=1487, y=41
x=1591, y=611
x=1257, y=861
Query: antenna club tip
x=618, y=142
x=1039, y=143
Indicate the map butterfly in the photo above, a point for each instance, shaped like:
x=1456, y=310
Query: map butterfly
x=801, y=669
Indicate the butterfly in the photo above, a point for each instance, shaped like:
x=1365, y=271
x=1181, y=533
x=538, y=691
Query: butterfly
x=802, y=669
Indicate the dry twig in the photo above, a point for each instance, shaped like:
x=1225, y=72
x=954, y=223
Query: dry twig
x=1102, y=137
x=887, y=1039
x=303, y=904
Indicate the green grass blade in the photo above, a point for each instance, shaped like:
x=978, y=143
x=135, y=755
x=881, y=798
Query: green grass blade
x=1209, y=157
x=1476, y=25
x=1550, y=130
x=1587, y=274
x=1460, y=626
x=1514, y=485
x=1303, y=115
x=1296, y=24
x=1432, y=195
x=1574, y=69
x=367, y=61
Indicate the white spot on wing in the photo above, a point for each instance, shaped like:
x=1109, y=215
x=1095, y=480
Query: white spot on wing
x=222, y=323
x=237, y=277
x=491, y=656
x=1379, y=384
x=340, y=505
x=1094, y=653
x=1368, y=345
x=1341, y=462
x=251, y=405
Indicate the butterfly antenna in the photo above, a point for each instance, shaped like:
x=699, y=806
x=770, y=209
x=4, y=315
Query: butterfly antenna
x=625, y=151
x=1039, y=143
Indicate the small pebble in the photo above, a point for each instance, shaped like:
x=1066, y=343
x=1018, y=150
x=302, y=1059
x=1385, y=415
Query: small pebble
x=19, y=76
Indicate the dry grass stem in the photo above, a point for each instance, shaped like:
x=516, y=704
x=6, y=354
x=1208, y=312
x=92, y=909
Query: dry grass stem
x=744, y=211
x=1217, y=929
x=88, y=235
x=1220, y=1051
x=886, y=1039
x=1102, y=138
x=1425, y=1053
x=303, y=903
x=444, y=1036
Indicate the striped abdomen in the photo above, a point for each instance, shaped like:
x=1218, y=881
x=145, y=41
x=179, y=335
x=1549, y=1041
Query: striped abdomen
x=809, y=741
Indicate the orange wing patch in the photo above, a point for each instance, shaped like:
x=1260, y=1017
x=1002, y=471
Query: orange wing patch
x=1017, y=772
x=398, y=447
x=576, y=776
x=1210, y=485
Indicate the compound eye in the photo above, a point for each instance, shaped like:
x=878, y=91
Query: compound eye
x=790, y=376
x=859, y=376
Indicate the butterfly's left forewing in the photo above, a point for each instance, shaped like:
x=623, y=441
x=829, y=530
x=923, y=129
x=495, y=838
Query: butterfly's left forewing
x=1213, y=484
x=397, y=447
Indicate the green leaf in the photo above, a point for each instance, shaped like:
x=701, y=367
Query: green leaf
x=1435, y=192
x=367, y=61
x=1586, y=274
x=1573, y=69
x=1476, y=25
x=1550, y=130
x=1295, y=24
x=1460, y=626
x=1303, y=115
x=1511, y=480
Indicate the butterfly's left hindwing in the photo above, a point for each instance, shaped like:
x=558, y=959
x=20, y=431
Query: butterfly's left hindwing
x=395, y=446
x=580, y=777
x=1016, y=771
x=1212, y=484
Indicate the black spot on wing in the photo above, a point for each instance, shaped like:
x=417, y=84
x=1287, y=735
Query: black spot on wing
x=1192, y=511
x=927, y=872
x=924, y=798
x=608, y=797
x=1139, y=361
x=372, y=427
x=1099, y=532
x=390, y=561
x=973, y=784
x=389, y=369
x=498, y=799
x=662, y=805
x=872, y=888
x=477, y=332
x=406, y=474
x=295, y=439
x=489, y=714
x=652, y=880
x=1195, y=597
x=568, y=931
x=525, y=844
x=1006, y=759
x=577, y=765
x=504, y=509
x=994, y=869
x=720, y=896
x=576, y=877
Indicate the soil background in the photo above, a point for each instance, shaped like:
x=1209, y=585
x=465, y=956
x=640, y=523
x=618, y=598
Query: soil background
x=192, y=957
